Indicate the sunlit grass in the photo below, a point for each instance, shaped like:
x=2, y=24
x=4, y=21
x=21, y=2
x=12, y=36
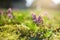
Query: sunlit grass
x=22, y=24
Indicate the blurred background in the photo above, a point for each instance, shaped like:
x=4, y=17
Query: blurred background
x=35, y=4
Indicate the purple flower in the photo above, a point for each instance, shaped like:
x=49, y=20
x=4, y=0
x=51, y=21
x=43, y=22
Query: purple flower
x=33, y=16
x=39, y=19
x=36, y=20
x=9, y=13
x=9, y=10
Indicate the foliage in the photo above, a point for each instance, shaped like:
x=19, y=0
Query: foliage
x=22, y=25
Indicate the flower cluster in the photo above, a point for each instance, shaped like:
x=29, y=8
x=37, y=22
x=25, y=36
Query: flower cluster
x=37, y=20
x=9, y=13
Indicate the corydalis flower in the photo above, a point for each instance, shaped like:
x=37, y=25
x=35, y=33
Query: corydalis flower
x=36, y=20
x=39, y=20
x=9, y=10
x=34, y=16
x=9, y=13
